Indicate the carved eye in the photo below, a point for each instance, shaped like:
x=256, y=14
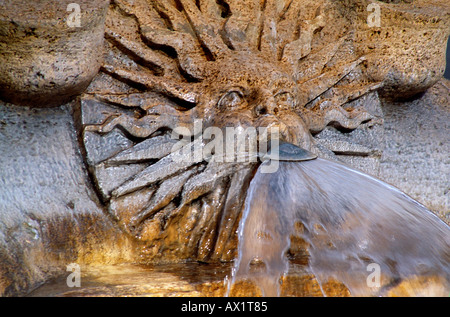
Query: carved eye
x=233, y=99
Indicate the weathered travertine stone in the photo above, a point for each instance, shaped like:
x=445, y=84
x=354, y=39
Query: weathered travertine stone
x=415, y=156
x=49, y=214
x=46, y=56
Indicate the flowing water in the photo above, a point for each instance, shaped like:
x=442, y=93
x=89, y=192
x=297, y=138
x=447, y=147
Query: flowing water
x=356, y=228
x=317, y=227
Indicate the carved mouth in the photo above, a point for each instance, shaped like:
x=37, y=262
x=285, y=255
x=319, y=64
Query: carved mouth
x=284, y=151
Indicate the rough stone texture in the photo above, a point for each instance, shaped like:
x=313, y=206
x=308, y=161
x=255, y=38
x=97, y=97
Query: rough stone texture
x=416, y=156
x=165, y=68
x=49, y=214
x=43, y=60
x=400, y=51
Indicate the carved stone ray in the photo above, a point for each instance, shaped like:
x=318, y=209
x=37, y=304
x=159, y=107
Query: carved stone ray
x=191, y=66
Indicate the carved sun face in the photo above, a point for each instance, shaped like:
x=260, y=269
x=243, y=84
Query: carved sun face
x=247, y=92
x=169, y=64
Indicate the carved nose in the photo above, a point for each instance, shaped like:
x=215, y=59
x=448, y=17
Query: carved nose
x=284, y=151
x=261, y=110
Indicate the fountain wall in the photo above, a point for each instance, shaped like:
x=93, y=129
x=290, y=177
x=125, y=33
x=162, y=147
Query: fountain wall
x=51, y=213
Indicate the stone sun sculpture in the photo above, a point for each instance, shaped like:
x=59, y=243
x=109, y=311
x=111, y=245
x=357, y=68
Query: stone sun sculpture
x=230, y=63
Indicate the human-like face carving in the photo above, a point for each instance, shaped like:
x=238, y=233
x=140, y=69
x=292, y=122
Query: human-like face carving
x=171, y=64
x=249, y=92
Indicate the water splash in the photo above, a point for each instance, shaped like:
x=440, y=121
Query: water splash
x=350, y=222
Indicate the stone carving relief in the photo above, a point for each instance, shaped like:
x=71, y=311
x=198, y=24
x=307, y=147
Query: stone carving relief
x=300, y=66
x=148, y=93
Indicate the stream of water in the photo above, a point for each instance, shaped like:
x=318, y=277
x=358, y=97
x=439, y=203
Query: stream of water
x=358, y=229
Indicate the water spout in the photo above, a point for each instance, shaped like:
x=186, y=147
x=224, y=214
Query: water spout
x=283, y=151
x=350, y=222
